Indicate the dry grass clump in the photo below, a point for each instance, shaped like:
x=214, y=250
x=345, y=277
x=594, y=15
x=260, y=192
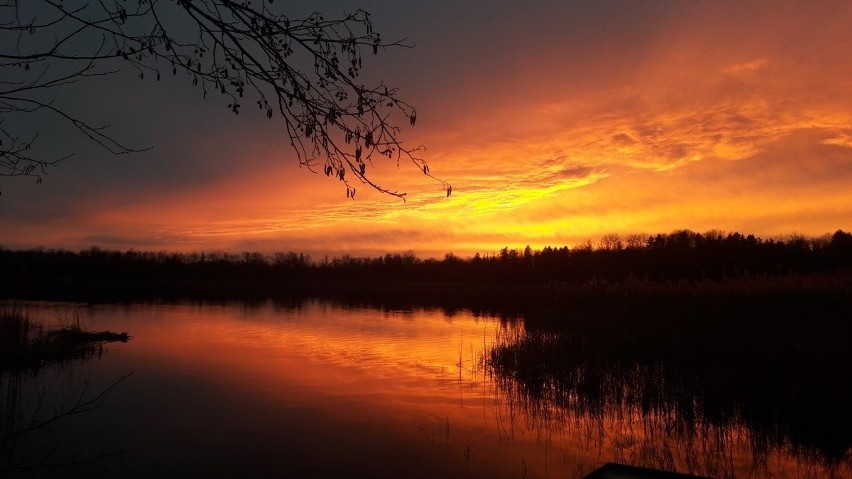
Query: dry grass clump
x=25, y=344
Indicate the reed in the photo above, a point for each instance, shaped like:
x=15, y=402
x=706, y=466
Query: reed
x=772, y=360
x=26, y=344
x=17, y=332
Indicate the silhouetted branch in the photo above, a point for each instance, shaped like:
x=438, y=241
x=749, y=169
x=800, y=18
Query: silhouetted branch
x=80, y=406
x=9, y=438
x=304, y=70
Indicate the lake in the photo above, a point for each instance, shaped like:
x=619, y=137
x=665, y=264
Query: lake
x=312, y=389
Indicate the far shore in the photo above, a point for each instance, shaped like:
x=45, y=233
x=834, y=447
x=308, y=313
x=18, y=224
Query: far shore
x=835, y=288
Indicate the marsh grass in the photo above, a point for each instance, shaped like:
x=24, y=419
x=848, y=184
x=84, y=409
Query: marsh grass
x=696, y=369
x=27, y=344
x=17, y=331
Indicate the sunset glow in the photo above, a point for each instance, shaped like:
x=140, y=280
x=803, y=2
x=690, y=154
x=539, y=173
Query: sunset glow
x=554, y=126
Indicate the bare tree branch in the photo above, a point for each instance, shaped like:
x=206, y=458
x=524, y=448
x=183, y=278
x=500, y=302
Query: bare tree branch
x=304, y=71
x=83, y=404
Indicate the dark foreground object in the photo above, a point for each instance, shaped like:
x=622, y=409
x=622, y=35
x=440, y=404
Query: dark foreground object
x=612, y=470
x=24, y=345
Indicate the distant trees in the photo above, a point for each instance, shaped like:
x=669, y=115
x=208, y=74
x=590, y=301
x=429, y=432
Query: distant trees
x=681, y=255
x=611, y=242
x=303, y=71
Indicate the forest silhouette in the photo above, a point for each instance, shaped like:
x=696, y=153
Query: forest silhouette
x=678, y=257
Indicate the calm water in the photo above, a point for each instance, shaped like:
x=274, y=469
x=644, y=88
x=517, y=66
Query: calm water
x=320, y=391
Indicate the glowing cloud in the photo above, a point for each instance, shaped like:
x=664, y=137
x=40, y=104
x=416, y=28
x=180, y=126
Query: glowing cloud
x=697, y=115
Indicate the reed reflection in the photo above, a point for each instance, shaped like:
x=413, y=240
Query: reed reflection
x=686, y=387
x=40, y=389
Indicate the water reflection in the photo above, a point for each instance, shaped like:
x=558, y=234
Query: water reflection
x=309, y=389
x=722, y=417
x=40, y=393
x=305, y=390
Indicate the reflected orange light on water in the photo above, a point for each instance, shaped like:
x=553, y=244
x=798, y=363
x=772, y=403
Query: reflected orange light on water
x=420, y=377
x=391, y=361
x=417, y=375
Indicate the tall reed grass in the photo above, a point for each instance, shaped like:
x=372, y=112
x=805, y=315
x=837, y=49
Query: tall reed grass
x=770, y=361
x=26, y=344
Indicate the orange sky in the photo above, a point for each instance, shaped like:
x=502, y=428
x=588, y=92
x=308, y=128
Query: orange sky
x=554, y=124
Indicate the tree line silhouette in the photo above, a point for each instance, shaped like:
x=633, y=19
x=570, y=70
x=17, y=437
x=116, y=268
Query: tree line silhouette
x=681, y=255
x=677, y=256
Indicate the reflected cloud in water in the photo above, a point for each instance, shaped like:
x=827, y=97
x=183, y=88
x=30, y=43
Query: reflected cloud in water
x=309, y=389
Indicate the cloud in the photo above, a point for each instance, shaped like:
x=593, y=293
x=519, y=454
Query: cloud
x=747, y=67
x=554, y=124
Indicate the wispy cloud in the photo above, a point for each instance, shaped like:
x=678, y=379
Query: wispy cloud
x=698, y=114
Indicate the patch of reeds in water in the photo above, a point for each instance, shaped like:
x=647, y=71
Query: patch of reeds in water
x=769, y=367
x=26, y=344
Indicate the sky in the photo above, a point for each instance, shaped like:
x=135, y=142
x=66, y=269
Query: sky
x=556, y=122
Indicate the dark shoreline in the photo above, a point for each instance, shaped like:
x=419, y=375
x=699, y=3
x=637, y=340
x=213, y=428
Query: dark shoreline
x=834, y=289
x=680, y=260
